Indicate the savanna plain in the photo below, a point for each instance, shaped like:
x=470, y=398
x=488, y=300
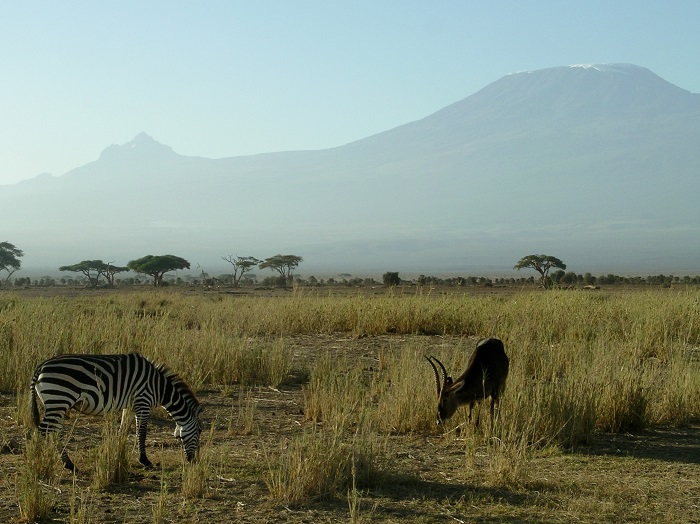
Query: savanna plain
x=319, y=406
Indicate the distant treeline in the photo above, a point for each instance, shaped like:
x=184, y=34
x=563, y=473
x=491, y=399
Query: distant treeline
x=558, y=279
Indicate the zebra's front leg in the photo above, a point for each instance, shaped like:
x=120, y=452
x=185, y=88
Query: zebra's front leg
x=142, y=428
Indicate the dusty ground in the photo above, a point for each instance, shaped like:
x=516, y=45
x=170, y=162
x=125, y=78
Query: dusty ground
x=648, y=477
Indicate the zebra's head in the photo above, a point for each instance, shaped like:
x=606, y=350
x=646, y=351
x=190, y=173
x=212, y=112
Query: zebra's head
x=188, y=434
x=179, y=401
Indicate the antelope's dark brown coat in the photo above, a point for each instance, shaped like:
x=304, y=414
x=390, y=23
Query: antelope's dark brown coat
x=485, y=376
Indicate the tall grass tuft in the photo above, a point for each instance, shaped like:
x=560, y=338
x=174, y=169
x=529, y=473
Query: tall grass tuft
x=245, y=420
x=265, y=364
x=354, y=497
x=623, y=397
x=508, y=459
x=404, y=390
x=159, y=509
x=195, y=474
x=111, y=462
x=79, y=506
x=677, y=402
x=194, y=478
x=336, y=394
x=312, y=466
x=38, y=478
x=320, y=465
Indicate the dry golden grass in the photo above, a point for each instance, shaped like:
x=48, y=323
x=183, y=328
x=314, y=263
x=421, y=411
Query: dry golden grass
x=323, y=406
x=79, y=506
x=159, y=510
x=111, y=459
x=37, y=479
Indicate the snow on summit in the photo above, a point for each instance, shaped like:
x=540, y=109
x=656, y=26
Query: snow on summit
x=612, y=68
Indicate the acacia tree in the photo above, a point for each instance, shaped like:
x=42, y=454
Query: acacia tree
x=157, y=265
x=9, y=258
x=283, y=264
x=241, y=266
x=111, y=270
x=94, y=269
x=542, y=264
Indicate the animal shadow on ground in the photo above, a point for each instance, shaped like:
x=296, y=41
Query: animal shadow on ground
x=414, y=499
x=664, y=443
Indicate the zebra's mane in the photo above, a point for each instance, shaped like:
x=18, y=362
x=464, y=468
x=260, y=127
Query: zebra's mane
x=180, y=385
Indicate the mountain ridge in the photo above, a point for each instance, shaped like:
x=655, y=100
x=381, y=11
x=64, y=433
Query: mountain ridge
x=596, y=167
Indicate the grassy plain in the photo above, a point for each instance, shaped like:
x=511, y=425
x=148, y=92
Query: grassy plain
x=319, y=407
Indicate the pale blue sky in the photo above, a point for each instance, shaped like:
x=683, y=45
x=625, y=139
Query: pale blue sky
x=228, y=78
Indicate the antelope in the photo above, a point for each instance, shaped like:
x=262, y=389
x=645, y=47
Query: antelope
x=485, y=377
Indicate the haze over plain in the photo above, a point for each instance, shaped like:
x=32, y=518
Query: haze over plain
x=229, y=79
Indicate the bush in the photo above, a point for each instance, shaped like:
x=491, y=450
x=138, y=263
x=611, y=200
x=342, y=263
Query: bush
x=391, y=278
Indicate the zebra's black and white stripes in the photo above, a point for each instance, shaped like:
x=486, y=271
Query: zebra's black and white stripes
x=93, y=384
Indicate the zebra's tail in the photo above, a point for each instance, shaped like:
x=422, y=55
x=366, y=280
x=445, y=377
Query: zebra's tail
x=35, y=408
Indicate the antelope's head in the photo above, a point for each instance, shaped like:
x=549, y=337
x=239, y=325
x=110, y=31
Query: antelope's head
x=448, y=402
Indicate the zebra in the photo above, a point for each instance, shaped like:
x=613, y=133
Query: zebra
x=93, y=384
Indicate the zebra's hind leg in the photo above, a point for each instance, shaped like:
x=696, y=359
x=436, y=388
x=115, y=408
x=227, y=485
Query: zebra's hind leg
x=67, y=462
x=49, y=427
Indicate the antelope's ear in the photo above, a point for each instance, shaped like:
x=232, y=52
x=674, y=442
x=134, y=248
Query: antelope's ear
x=454, y=388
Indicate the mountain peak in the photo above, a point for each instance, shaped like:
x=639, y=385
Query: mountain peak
x=142, y=139
x=141, y=147
x=590, y=91
x=611, y=68
x=619, y=68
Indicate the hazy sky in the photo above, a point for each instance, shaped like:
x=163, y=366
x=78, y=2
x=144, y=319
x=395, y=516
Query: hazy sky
x=230, y=78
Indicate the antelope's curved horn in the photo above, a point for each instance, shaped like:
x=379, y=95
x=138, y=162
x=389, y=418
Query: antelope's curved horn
x=437, y=376
x=444, y=371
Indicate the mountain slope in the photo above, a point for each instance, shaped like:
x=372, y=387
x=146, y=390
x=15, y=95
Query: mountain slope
x=597, y=165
